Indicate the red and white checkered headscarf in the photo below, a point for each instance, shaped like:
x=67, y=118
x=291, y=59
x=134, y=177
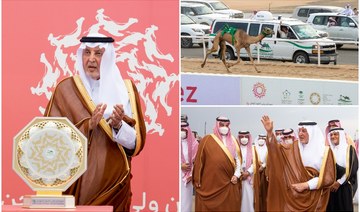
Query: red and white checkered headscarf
x=229, y=142
x=192, y=149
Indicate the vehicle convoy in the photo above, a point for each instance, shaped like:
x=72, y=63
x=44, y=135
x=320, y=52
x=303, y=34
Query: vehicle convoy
x=300, y=46
x=218, y=7
x=196, y=31
x=339, y=27
x=200, y=13
x=303, y=12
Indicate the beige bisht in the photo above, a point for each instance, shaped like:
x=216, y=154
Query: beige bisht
x=107, y=179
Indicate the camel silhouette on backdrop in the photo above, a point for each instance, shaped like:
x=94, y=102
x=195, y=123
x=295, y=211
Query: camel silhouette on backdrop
x=239, y=39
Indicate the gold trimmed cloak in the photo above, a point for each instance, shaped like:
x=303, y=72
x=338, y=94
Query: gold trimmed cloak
x=107, y=179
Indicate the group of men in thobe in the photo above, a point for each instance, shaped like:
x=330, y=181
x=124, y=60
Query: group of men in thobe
x=297, y=172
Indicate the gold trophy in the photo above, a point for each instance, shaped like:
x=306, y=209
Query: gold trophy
x=50, y=154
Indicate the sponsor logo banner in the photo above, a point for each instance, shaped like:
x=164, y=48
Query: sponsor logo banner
x=284, y=91
x=199, y=89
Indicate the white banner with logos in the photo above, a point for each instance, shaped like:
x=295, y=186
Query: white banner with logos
x=285, y=91
x=268, y=90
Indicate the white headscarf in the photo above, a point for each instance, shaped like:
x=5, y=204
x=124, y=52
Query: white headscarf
x=340, y=149
x=112, y=89
x=249, y=155
x=347, y=10
x=262, y=150
x=288, y=132
x=312, y=152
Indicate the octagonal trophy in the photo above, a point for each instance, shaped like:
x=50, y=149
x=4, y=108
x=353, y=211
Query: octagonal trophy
x=49, y=154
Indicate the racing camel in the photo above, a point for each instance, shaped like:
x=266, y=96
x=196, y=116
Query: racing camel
x=239, y=39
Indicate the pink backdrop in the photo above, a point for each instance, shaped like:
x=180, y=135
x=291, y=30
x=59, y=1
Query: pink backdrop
x=39, y=47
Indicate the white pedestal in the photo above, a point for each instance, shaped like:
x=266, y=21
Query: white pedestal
x=37, y=201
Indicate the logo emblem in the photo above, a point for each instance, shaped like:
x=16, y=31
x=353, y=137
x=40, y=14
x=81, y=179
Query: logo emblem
x=286, y=99
x=301, y=98
x=344, y=100
x=315, y=98
x=259, y=90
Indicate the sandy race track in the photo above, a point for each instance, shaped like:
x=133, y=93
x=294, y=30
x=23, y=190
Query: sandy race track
x=274, y=69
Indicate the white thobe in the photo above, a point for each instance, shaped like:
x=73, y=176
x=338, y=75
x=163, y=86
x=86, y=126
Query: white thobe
x=262, y=152
x=237, y=160
x=309, y=161
x=186, y=189
x=247, y=199
x=126, y=136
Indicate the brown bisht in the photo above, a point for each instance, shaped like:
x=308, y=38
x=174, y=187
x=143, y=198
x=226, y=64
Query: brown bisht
x=213, y=168
x=285, y=168
x=258, y=184
x=107, y=179
x=260, y=203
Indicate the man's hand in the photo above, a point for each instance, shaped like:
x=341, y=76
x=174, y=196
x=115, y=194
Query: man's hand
x=335, y=186
x=234, y=179
x=268, y=124
x=244, y=175
x=189, y=179
x=117, y=116
x=300, y=187
x=97, y=115
x=185, y=167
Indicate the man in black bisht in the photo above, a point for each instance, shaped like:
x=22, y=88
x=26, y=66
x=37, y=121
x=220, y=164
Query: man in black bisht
x=345, y=186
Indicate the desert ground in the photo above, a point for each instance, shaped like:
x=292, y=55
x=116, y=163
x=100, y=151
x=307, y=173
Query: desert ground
x=274, y=69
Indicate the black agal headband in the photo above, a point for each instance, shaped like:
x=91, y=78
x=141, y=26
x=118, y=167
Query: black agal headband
x=307, y=123
x=288, y=131
x=243, y=132
x=222, y=119
x=97, y=40
x=335, y=129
